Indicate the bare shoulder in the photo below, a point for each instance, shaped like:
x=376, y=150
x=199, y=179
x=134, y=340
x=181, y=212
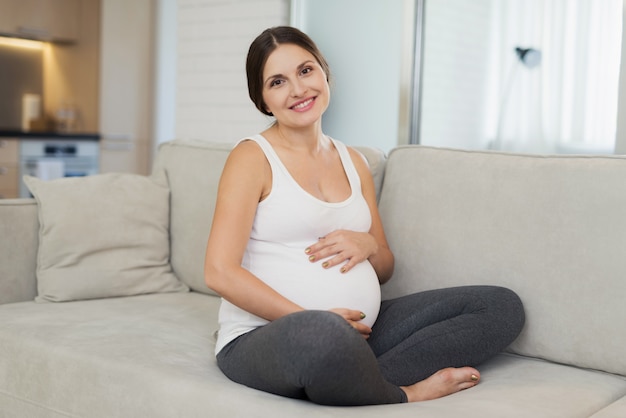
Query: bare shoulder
x=247, y=151
x=247, y=169
x=359, y=160
x=247, y=157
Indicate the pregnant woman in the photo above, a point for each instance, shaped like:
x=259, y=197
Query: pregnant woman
x=297, y=252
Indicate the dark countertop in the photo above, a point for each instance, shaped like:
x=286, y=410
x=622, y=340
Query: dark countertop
x=78, y=136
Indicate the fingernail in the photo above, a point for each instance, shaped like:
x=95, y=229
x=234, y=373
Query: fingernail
x=308, y=250
x=325, y=264
x=312, y=258
x=343, y=269
x=362, y=315
x=474, y=377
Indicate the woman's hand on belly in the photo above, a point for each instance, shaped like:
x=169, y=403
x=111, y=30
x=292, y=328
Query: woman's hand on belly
x=354, y=319
x=343, y=246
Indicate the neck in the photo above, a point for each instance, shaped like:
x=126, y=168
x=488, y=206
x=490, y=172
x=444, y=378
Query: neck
x=311, y=138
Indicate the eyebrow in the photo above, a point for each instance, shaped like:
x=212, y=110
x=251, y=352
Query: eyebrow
x=275, y=76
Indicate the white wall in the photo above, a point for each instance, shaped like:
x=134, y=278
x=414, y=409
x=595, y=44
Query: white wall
x=165, y=72
x=211, y=96
x=212, y=100
x=620, y=141
x=363, y=42
x=455, y=65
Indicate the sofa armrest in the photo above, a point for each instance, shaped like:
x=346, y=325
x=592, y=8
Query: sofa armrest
x=19, y=239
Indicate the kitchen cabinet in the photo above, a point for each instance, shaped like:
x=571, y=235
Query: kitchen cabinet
x=46, y=20
x=126, y=85
x=9, y=168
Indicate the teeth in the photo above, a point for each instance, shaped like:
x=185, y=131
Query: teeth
x=303, y=104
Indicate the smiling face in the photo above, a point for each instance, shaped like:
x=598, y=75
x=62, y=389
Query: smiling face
x=295, y=86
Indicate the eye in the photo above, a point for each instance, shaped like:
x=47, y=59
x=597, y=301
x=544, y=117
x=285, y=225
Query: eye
x=306, y=70
x=276, y=82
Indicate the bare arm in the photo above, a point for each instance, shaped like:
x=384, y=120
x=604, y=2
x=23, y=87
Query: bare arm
x=246, y=179
x=382, y=260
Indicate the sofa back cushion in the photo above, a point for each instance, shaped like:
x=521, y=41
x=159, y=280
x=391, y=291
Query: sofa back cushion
x=552, y=228
x=193, y=169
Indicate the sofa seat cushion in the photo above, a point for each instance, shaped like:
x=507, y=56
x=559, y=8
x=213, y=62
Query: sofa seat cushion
x=152, y=356
x=615, y=410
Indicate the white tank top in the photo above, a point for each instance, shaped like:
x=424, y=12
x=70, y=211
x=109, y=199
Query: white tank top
x=287, y=221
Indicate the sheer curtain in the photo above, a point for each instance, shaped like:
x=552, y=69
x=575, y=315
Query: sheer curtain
x=568, y=104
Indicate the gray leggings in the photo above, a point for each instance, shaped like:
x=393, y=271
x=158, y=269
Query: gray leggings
x=317, y=355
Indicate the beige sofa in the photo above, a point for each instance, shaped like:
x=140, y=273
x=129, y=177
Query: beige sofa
x=552, y=228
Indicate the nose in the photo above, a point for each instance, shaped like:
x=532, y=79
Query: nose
x=298, y=88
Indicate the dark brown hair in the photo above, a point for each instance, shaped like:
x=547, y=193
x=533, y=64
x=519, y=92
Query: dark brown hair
x=263, y=46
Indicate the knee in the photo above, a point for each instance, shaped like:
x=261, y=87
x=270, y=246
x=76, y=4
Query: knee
x=320, y=334
x=319, y=325
x=508, y=306
x=511, y=302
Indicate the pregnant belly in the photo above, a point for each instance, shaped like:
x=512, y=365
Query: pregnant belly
x=313, y=287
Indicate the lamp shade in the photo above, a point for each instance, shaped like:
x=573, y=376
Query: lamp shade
x=530, y=57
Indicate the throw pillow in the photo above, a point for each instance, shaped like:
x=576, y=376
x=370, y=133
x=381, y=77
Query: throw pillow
x=101, y=236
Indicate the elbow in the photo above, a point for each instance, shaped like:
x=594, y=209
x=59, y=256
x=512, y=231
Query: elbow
x=213, y=277
x=384, y=279
x=385, y=273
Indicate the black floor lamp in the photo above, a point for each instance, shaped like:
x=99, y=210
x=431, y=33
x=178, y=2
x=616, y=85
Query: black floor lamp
x=529, y=58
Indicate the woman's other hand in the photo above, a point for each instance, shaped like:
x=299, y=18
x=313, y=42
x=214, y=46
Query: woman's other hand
x=354, y=319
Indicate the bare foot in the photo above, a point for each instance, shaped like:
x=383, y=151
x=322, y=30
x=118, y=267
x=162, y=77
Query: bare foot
x=444, y=382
